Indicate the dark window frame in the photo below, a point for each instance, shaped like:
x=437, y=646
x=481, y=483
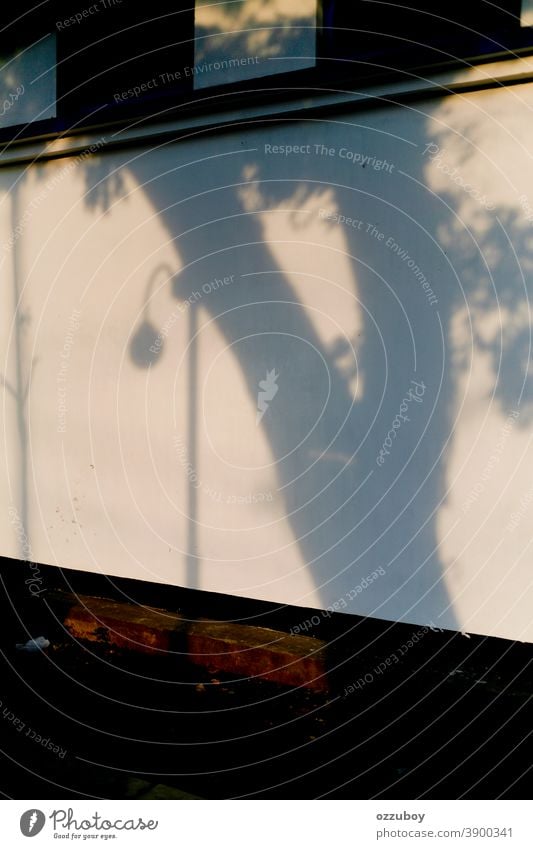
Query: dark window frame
x=346, y=57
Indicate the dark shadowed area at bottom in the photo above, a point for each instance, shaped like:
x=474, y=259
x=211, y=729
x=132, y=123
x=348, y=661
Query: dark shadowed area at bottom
x=450, y=717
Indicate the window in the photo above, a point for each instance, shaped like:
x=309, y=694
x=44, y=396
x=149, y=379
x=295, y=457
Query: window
x=28, y=83
x=236, y=41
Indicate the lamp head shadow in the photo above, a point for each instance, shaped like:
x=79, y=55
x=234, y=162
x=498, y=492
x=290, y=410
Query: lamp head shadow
x=147, y=342
x=146, y=345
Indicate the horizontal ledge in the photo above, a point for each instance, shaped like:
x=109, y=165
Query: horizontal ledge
x=443, y=82
x=241, y=650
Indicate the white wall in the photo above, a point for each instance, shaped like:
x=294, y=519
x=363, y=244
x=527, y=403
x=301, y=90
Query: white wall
x=152, y=464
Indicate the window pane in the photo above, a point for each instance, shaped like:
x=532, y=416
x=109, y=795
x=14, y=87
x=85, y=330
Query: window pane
x=28, y=83
x=526, y=15
x=245, y=39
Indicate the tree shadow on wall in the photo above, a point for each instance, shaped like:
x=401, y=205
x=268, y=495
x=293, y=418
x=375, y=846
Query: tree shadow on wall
x=276, y=223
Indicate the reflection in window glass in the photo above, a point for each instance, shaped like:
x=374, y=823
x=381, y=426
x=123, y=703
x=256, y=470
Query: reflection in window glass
x=245, y=39
x=28, y=83
x=526, y=13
